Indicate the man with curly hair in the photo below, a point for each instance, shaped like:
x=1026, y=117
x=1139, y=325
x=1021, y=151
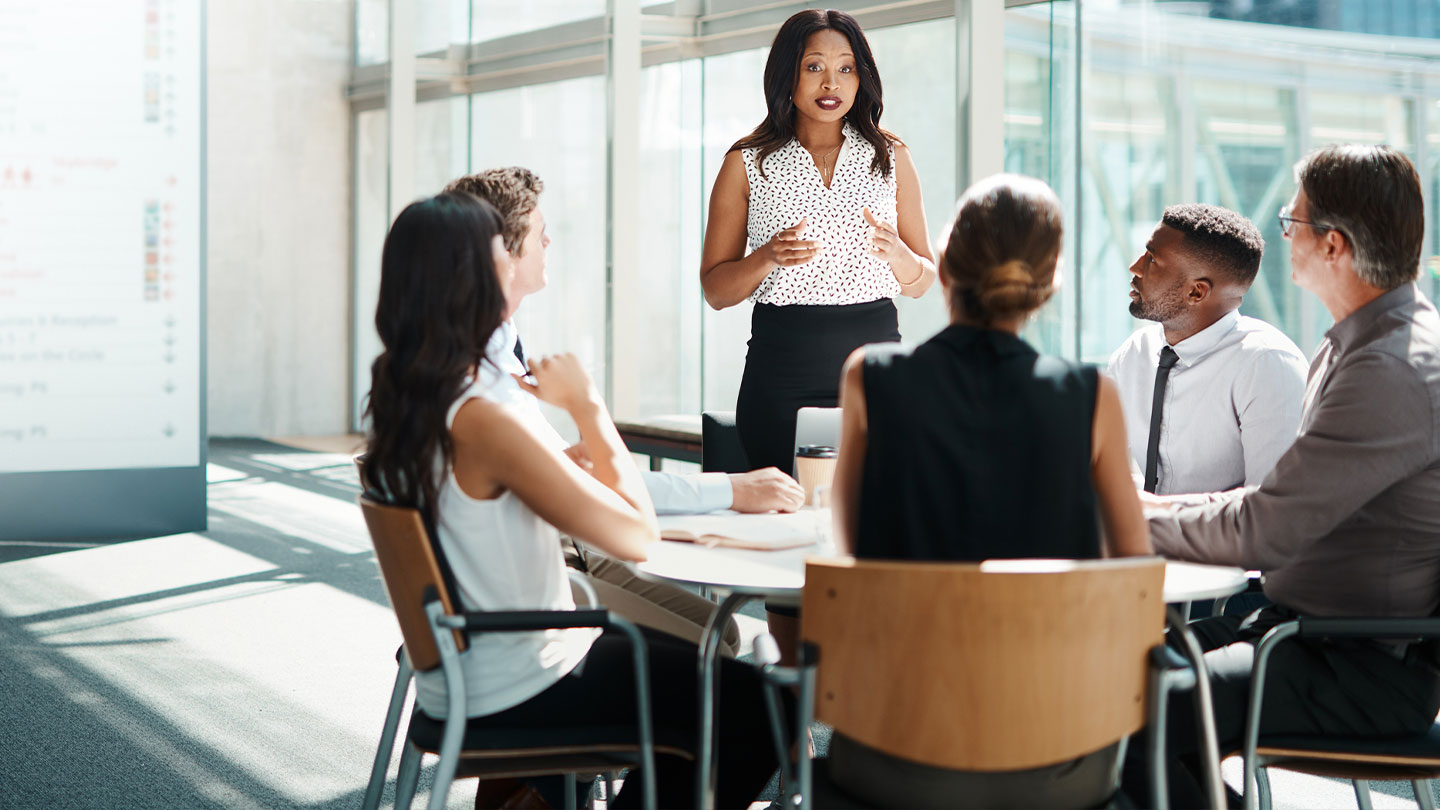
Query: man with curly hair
x=515, y=193
x=1211, y=397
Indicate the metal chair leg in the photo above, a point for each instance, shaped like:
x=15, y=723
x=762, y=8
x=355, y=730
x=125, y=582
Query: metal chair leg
x=455, y=720
x=709, y=687
x=570, y=788
x=408, y=778
x=387, y=737
x=1424, y=793
x=1362, y=793
x=1204, y=710
x=1262, y=787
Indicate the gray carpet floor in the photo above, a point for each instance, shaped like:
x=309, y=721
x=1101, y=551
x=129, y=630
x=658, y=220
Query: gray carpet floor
x=246, y=666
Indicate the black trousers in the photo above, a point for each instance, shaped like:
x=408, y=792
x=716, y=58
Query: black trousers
x=602, y=696
x=1355, y=688
x=796, y=353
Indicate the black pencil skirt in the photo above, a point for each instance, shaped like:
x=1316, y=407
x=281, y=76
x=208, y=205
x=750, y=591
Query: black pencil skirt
x=796, y=353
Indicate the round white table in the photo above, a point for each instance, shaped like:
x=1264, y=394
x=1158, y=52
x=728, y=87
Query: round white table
x=779, y=576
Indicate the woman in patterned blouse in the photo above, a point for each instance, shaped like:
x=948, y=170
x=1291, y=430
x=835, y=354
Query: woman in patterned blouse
x=816, y=218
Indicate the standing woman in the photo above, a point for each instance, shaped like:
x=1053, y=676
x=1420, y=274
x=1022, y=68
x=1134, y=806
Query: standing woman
x=816, y=217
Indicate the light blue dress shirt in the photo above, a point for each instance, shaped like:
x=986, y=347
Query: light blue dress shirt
x=672, y=494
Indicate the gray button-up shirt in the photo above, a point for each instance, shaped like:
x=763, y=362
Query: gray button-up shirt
x=1348, y=522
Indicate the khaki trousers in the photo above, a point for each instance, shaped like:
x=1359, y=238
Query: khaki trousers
x=659, y=605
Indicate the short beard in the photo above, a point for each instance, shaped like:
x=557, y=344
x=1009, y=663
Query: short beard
x=1163, y=309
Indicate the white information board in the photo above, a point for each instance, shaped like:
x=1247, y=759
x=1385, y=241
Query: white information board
x=101, y=211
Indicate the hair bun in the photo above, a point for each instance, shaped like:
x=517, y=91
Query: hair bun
x=1009, y=290
x=1002, y=250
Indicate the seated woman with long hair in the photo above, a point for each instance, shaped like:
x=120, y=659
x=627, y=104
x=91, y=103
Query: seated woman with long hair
x=447, y=438
x=972, y=446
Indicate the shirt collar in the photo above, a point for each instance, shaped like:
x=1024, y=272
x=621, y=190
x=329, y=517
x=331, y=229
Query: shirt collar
x=1349, y=332
x=499, y=361
x=1195, y=347
x=502, y=342
x=848, y=136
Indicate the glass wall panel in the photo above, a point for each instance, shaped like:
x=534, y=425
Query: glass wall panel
x=917, y=65
x=372, y=31
x=1126, y=182
x=667, y=378
x=1432, y=150
x=499, y=18
x=558, y=131
x=438, y=23
x=1172, y=102
x=442, y=143
x=372, y=220
x=734, y=104
x=1182, y=105
x=1040, y=105
x=1247, y=138
x=1360, y=117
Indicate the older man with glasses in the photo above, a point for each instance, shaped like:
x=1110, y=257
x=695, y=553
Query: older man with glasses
x=1348, y=522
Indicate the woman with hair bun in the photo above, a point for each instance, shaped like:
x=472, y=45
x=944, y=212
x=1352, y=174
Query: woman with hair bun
x=947, y=449
x=972, y=446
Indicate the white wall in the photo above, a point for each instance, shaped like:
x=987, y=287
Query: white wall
x=279, y=216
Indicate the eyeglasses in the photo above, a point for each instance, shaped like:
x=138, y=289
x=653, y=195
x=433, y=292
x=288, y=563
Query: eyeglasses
x=1288, y=223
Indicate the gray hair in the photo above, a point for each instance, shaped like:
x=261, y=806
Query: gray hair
x=1371, y=195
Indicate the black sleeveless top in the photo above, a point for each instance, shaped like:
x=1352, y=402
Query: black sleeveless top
x=977, y=448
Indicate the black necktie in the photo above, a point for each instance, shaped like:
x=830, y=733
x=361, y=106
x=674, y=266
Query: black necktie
x=1168, y=359
x=520, y=355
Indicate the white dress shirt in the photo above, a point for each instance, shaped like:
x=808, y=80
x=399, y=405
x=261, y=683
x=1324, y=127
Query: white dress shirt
x=1232, y=404
x=672, y=494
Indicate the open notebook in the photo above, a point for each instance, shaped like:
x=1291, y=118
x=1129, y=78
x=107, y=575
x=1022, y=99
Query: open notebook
x=733, y=530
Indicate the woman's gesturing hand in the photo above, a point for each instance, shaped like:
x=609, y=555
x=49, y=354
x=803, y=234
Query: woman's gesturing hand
x=787, y=248
x=884, y=238
x=561, y=381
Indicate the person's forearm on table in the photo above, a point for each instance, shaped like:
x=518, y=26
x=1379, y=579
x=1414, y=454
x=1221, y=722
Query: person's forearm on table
x=688, y=494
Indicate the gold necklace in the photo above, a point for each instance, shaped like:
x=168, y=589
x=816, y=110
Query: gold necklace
x=823, y=160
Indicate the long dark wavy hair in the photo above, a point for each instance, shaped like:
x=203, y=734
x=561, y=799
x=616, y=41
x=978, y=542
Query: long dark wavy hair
x=440, y=301
x=782, y=69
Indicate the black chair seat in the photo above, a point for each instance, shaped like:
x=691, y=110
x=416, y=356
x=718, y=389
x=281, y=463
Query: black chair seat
x=825, y=794
x=720, y=448
x=506, y=743
x=1416, y=757
x=1421, y=747
x=547, y=765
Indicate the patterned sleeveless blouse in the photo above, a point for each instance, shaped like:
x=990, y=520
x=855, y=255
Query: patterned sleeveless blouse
x=844, y=272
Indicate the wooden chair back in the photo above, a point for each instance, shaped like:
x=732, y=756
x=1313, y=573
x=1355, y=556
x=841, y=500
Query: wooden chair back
x=408, y=567
x=1001, y=665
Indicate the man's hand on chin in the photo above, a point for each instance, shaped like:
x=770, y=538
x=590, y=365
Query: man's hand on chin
x=767, y=490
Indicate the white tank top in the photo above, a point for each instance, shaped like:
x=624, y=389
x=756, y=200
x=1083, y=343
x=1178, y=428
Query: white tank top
x=844, y=272
x=505, y=557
